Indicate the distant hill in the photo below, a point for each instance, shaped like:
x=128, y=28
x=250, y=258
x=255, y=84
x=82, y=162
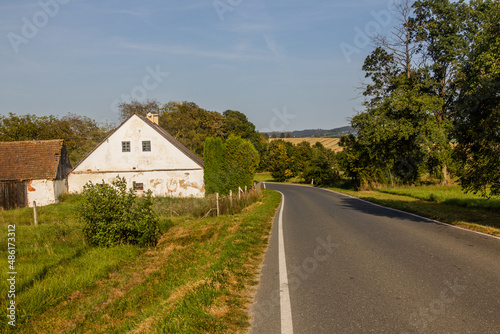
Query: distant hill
x=337, y=132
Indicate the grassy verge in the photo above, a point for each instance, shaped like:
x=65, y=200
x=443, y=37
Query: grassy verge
x=450, y=195
x=446, y=204
x=195, y=281
x=266, y=177
x=263, y=177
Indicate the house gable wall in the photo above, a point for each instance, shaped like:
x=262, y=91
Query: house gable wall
x=165, y=170
x=108, y=157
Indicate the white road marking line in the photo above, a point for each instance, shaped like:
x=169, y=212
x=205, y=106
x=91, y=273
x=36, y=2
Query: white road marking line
x=285, y=307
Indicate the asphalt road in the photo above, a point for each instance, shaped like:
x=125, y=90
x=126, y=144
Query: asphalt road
x=354, y=267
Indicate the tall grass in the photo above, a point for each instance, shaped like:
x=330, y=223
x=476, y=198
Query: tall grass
x=204, y=207
x=52, y=259
x=55, y=265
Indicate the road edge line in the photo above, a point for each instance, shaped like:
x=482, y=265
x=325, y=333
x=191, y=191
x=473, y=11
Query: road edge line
x=285, y=306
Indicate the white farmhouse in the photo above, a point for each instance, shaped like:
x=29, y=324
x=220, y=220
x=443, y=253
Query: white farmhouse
x=147, y=156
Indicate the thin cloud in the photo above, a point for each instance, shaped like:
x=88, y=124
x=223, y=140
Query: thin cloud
x=273, y=46
x=189, y=51
x=248, y=27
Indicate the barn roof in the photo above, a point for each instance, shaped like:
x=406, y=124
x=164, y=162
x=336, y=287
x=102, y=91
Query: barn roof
x=30, y=160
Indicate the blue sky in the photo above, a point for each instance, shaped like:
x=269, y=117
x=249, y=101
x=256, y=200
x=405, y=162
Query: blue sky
x=288, y=65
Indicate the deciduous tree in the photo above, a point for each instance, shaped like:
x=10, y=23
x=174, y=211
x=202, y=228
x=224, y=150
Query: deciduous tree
x=478, y=119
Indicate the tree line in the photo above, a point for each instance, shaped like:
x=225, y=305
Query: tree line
x=432, y=99
x=285, y=161
x=80, y=133
x=233, y=149
x=228, y=142
x=186, y=121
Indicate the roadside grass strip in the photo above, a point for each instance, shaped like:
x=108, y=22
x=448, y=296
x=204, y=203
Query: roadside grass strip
x=196, y=280
x=440, y=204
x=451, y=195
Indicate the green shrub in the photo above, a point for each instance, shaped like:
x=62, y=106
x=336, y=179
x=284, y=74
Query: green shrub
x=229, y=165
x=213, y=158
x=113, y=215
x=241, y=162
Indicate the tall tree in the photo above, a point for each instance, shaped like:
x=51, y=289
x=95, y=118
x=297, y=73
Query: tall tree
x=125, y=109
x=478, y=119
x=191, y=124
x=441, y=26
x=303, y=153
x=401, y=42
x=282, y=162
x=237, y=123
x=398, y=136
x=319, y=171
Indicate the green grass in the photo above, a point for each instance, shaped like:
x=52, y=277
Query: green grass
x=446, y=204
x=452, y=195
x=266, y=177
x=263, y=177
x=195, y=281
x=52, y=259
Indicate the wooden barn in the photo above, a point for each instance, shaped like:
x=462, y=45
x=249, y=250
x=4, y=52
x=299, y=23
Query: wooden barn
x=32, y=171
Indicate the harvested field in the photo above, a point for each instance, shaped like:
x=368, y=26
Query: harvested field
x=331, y=143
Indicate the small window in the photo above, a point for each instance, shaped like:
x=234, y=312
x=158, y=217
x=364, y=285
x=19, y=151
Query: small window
x=146, y=146
x=138, y=186
x=125, y=146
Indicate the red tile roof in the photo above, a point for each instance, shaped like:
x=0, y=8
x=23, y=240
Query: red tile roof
x=30, y=160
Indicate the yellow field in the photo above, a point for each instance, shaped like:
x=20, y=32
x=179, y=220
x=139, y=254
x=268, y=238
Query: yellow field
x=331, y=143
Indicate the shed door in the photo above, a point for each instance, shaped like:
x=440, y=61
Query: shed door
x=13, y=194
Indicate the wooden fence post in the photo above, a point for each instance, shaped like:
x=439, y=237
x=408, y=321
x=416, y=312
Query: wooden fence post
x=34, y=213
x=230, y=198
x=217, y=199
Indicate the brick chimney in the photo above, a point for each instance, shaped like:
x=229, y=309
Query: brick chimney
x=153, y=118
